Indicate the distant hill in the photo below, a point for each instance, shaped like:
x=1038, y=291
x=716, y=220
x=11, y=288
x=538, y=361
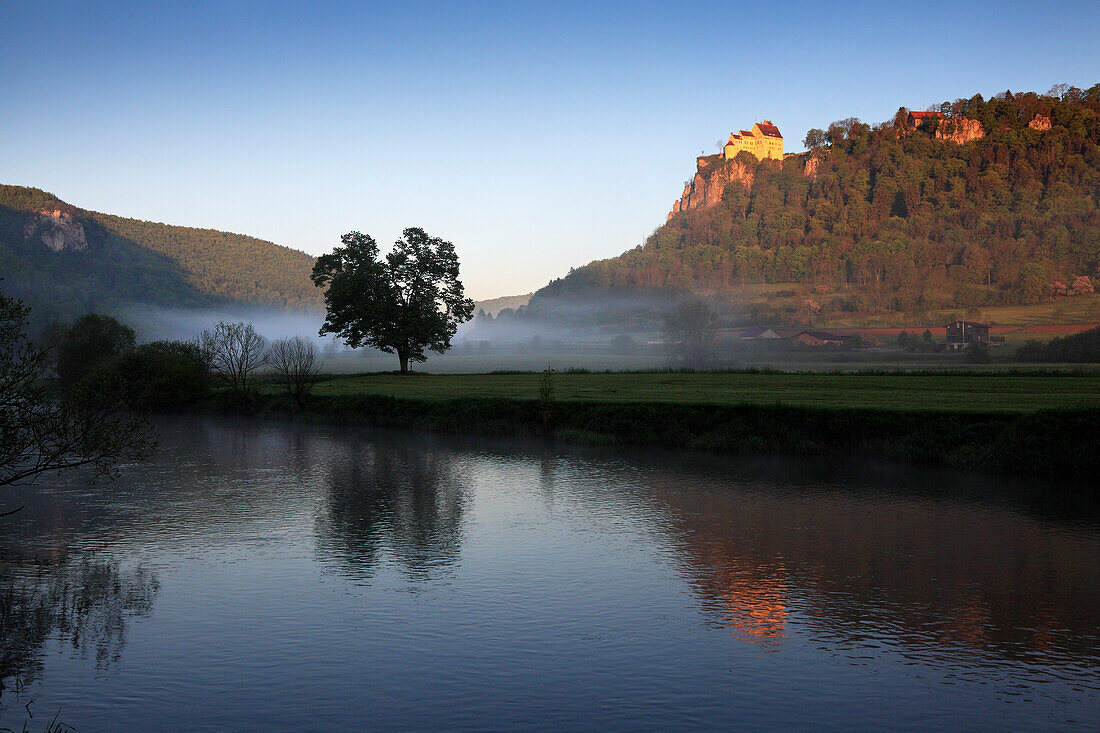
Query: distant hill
x=493, y=306
x=975, y=204
x=65, y=261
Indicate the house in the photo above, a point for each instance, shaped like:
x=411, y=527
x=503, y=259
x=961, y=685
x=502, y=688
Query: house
x=821, y=338
x=764, y=141
x=961, y=334
x=761, y=333
x=916, y=119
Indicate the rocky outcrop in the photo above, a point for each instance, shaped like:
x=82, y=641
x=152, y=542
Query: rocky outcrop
x=1041, y=123
x=705, y=190
x=57, y=230
x=813, y=162
x=959, y=130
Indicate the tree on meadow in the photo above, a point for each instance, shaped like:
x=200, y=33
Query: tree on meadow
x=689, y=332
x=404, y=303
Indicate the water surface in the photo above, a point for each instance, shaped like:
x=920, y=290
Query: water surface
x=277, y=577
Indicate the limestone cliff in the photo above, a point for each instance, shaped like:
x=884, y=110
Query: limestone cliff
x=960, y=130
x=57, y=230
x=711, y=177
x=1040, y=122
x=813, y=162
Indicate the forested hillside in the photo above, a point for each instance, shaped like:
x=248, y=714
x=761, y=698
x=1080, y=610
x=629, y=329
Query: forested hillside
x=894, y=217
x=65, y=261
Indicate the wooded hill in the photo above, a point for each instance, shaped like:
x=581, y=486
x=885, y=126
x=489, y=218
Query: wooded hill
x=64, y=261
x=885, y=218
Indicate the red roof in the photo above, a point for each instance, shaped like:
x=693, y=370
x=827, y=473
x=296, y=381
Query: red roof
x=768, y=129
x=922, y=115
x=746, y=133
x=823, y=336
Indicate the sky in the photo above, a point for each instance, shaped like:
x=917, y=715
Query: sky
x=535, y=136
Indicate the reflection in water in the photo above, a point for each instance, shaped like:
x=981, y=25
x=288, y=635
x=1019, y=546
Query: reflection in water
x=574, y=584
x=396, y=498
x=935, y=577
x=84, y=604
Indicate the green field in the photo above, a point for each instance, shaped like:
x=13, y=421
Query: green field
x=992, y=393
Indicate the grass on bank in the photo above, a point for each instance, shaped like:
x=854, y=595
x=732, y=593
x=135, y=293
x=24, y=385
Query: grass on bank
x=1004, y=393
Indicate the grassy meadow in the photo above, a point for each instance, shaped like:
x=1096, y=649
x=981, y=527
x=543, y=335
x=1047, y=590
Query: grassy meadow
x=997, y=392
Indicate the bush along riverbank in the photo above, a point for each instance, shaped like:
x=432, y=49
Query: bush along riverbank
x=1058, y=443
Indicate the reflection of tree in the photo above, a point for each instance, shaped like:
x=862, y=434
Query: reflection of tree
x=404, y=500
x=85, y=604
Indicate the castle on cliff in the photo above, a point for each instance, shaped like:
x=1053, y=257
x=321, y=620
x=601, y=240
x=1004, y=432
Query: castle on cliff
x=764, y=141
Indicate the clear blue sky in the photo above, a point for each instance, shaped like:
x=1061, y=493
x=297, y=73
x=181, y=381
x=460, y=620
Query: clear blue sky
x=534, y=136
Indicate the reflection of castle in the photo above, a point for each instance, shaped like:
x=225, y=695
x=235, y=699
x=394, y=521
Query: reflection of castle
x=755, y=607
x=923, y=569
x=763, y=140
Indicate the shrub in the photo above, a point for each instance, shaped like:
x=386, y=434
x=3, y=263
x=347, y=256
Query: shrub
x=623, y=344
x=164, y=374
x=977, y=354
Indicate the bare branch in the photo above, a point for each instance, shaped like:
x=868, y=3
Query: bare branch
x=294, y=363
x=235, y=351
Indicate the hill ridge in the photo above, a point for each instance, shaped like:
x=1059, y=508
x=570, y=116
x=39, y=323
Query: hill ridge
x=65, y=260
x=897, y=217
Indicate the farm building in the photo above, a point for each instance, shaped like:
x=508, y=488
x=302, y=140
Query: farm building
x=961, y=334
x=821, y=338
x=761, y=333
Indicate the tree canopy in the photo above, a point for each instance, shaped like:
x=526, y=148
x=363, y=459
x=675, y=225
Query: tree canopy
x=404, y=303
x=689, y=332
x=93, y=339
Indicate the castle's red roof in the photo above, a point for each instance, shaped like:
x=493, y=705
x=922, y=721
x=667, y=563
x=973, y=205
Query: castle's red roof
x=768, y=130
x=922, y=115
x=747, y=133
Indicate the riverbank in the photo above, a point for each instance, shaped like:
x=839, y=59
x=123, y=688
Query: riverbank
x=1048, y=442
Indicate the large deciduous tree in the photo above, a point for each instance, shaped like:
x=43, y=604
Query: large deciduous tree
x=403, y=303
x=88, y=343
x=689, y=332
x=43, y=431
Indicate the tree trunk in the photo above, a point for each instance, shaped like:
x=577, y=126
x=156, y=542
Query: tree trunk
x=404, y=362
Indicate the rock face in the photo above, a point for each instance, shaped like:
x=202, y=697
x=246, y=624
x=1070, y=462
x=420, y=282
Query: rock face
x=57, y=230
x=812, y=164
x=960, y=130
x=1040, y=123
x=705, y=191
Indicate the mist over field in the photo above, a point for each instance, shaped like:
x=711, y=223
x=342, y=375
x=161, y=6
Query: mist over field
x=155, y=323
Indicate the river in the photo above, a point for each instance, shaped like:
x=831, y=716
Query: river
x=269, y=576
